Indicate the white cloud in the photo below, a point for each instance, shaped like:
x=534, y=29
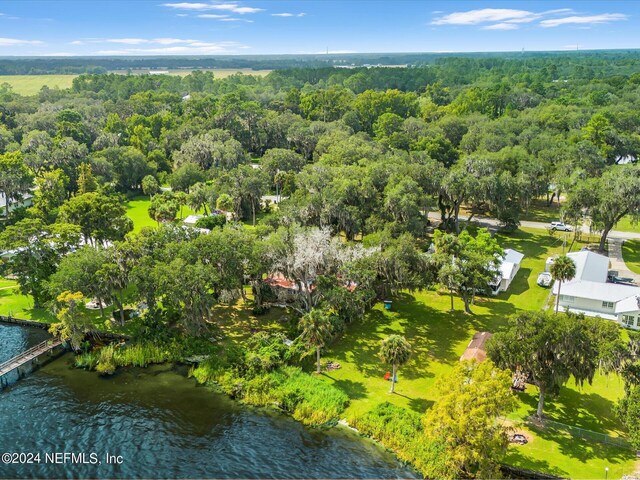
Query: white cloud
x=233, y=19
x=178, y=47
x=486, y=15
x=16, y=42
x=584, y=20
x=287, y=14
x=188, y=6
x=214, y=16
x=229, y=7
x=501, y=26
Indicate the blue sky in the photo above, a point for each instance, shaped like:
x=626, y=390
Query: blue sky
x=209, y=27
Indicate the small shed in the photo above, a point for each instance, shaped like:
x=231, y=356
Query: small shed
x=476, y=348
x=192, y=219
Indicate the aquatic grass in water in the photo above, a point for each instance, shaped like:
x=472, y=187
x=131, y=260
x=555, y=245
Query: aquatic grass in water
x=108, y=358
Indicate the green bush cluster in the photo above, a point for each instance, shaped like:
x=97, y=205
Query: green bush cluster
x=259, y=375
x=401, y=431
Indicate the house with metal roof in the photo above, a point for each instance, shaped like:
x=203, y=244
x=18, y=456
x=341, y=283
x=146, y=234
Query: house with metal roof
x=590, y=293
x=509, y=266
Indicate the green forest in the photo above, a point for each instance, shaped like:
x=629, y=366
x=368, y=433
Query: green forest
x=316, y=194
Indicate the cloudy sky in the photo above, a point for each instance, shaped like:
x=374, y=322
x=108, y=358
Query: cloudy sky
x=207, y=27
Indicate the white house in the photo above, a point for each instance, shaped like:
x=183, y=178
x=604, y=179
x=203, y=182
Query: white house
x=507, y=272
x=590, y=293
x=26, y=201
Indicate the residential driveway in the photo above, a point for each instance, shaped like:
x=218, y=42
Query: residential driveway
x=617, y=262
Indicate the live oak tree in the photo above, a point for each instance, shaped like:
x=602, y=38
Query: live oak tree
x=395, y=351
x=49, y=195
x=38, y=250
x=101, y=217
x=150, y=186
x=550, y=348
x=466, y=418
x=316, y=329
x=466, y=264
x=78, y=272
x=608, y=198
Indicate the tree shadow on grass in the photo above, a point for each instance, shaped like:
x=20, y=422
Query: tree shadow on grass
x=515, y=457
x=355, y=390
x=582, y=449
x=518, y=286
x=589, y=411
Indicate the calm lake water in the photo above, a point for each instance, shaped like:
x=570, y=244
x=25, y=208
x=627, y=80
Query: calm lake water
x=163, y=426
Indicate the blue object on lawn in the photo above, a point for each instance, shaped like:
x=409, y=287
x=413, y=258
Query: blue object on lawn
x=387, y=304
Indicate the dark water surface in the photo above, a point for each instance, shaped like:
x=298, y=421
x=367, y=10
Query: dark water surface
x=163, y=426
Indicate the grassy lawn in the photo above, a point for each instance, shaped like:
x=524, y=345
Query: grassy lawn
x=31, y=84
x=631, y=254
x=137, y=210
x=439, y=338
x=625, y=225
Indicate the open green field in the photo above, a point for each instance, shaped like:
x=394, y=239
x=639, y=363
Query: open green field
x=138, y=211
x=31, y=84
x=631, y=255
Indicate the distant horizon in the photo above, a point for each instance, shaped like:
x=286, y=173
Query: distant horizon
x=65, y=28
x=322, y=55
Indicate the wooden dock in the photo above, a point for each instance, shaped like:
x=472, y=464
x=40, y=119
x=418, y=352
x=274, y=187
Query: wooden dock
x=28, y=356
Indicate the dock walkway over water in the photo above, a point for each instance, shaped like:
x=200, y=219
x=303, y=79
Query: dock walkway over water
x=25, y=361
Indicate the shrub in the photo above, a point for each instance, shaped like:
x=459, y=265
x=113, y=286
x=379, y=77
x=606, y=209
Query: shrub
x=106, y=364
x=401, y=430
x=211, y=222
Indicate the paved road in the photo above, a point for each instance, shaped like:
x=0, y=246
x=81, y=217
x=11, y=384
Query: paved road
x=493, y=223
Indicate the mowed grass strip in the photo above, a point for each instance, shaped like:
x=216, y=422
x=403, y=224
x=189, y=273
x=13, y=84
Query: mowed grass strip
x=631, y=255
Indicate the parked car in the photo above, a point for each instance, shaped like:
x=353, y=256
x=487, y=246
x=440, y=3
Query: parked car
x=519, y=439
x=560, y=226
x=544, y=279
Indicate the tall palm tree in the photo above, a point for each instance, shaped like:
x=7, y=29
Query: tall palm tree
x=396, y=351
x=562, y=270
x=316, y=329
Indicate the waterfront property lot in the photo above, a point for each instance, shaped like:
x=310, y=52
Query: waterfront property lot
x=439, y=338
x=631, y=255
x=31, y=84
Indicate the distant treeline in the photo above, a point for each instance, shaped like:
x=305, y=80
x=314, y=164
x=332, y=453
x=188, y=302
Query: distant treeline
x=621, y=61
